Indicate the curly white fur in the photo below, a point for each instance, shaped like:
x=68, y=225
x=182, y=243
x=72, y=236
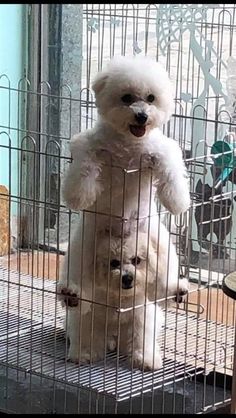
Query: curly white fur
x=112, y=142
x=119, y=169
x=146, y=264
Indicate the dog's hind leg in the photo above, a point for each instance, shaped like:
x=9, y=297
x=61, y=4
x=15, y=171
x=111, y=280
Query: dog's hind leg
x=87, y=335
x=143, y=348
x=167, y=265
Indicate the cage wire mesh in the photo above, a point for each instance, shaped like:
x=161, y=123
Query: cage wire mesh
x=194, y=43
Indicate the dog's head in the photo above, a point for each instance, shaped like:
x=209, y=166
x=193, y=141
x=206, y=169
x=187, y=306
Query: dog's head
x=134, y=95
x=125, y=267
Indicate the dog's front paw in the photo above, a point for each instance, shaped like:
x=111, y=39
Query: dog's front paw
x=178, y=197
x=147, y=362
x=182, y=291
x=80, y=200
x=74, y=202
x=67, y=296
x=111, y=343
x=149, y=161
x=83, y=195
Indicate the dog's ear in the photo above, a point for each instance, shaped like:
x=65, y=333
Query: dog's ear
x=99, y=82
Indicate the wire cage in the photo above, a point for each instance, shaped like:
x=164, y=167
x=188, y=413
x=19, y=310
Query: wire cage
x=196, y=44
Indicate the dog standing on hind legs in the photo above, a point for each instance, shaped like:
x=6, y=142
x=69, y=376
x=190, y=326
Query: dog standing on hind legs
x=132, y=105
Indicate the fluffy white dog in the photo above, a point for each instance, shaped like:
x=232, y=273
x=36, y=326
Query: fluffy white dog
x=134, y=99
x=125, y=276
x=119, y=273
x=119, y=168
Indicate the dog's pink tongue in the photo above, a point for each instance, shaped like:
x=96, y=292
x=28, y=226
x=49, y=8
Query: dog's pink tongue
x=137, y=130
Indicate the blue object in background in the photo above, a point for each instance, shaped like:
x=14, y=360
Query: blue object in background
x=13, y=50
x=226, y=159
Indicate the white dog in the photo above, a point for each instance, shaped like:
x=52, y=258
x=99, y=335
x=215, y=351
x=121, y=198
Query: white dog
x=128, y=273
x=119, y=168
x=133, y=97
x=151, y=266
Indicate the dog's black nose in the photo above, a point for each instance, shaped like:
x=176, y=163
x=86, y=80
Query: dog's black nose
x=141, y=118
x=127, y=281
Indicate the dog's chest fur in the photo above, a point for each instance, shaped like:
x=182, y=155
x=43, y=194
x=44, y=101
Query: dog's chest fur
x=125, y=174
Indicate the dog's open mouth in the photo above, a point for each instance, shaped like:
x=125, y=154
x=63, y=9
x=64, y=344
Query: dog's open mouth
x=137, y=130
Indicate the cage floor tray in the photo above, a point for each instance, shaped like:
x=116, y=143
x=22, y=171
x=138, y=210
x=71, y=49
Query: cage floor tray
x=32, y=339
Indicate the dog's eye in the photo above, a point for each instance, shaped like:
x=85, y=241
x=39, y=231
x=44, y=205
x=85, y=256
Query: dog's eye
x=150, y=98
x=115, y=264
x=135, y=260
x=127, y=99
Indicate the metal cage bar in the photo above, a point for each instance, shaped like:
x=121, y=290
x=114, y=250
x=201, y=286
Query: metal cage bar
x=197, y=339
